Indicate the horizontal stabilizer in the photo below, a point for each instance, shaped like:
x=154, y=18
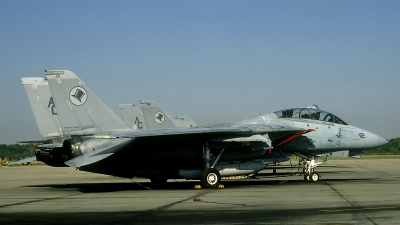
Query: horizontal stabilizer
x=32, y=142
x=50, y=146
x=84, y=160
x=31, y=159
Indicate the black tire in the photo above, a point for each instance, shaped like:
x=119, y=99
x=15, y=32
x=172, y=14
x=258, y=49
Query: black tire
x=210, y=178
x=314, y=177
x=307, y=177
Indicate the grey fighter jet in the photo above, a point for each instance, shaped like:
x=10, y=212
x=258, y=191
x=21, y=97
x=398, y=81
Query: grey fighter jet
x=101, y=143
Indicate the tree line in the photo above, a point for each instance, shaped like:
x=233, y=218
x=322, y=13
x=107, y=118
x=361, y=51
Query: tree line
x=391, y=148
x=18, y=151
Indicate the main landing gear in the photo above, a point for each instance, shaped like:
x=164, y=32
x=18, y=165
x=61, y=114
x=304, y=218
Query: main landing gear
x=210, y=177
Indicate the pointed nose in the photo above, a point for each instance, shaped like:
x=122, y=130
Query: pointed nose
x=374, y=140
x=382, y=141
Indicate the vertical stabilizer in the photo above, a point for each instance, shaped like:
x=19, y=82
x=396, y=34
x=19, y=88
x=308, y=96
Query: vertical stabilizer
x=132, y=116
x=154, y=117
x=79, y=109
x=43, y=107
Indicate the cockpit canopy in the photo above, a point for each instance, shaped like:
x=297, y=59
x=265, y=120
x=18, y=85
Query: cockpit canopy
x=312, y=113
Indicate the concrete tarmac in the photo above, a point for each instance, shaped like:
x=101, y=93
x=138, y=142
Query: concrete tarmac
x=361, y=191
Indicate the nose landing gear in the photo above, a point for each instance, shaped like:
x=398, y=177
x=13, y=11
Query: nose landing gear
x=309, y=174
x=309, y=165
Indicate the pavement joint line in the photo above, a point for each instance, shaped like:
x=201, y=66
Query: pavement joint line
x=37, y=200
x=354, y=206
x=358, y=209
x=341, y=195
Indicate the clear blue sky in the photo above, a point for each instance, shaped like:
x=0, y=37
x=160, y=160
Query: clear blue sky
x=215, y=61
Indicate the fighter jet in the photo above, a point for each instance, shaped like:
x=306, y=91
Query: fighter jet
x=100, y=142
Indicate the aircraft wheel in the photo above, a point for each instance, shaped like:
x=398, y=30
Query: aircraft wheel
x=314, y=177
x=210, y=178
x=306, y=177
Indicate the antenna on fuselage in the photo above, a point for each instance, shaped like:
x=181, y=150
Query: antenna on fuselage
x=312, y=106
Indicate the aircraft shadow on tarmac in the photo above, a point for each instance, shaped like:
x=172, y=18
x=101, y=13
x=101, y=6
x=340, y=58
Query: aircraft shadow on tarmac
x=185, y=185
x=205, y=215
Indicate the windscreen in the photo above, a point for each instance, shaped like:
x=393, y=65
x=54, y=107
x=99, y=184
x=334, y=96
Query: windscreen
x=309, y=113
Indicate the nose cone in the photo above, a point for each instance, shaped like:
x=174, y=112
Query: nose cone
x=382, y=141
x=374, y=140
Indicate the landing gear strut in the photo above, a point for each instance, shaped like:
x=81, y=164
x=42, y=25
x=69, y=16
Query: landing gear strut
x=309, y=174
x=308, y=168
x=210, y=177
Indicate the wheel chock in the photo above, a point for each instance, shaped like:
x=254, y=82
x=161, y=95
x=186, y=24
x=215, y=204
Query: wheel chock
x=221, y=186
x=197, y=186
